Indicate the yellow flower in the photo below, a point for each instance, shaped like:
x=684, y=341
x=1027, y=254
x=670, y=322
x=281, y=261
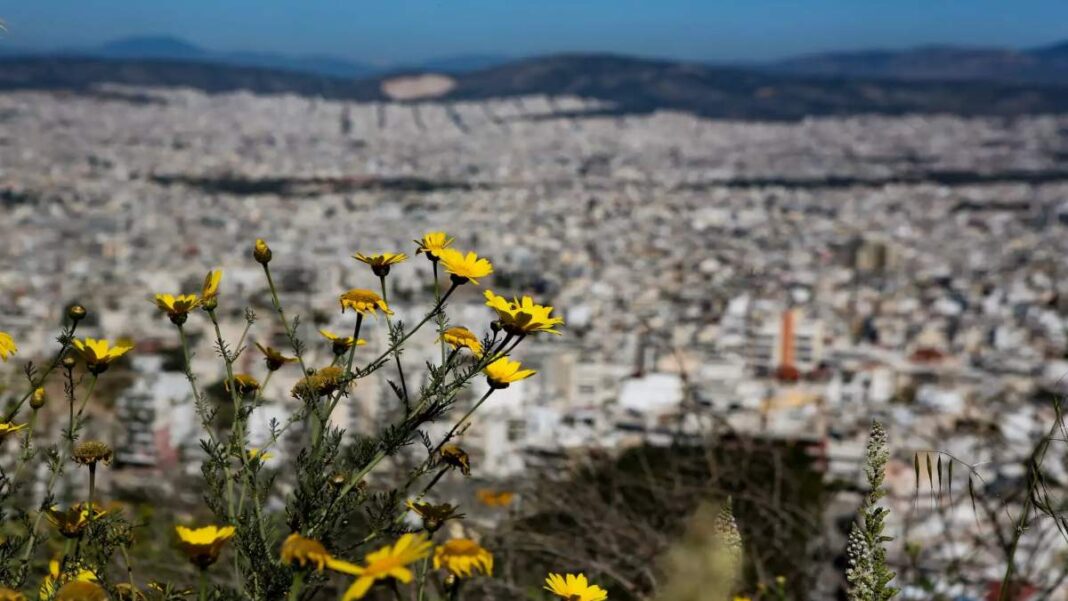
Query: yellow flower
x=363, y=302
x=380, y=263
x=491, y=498
x=177, y=307
x=434, y=516
x=203, y=545
x=9, y=428
x=323, y=382
x=244, y=383
x=464, y=268
x=390, y=561
x=342, y=344
x=463, y=556
x=91, y=452
x=740, y=598
x=99, y=354
x=504, y=371
x=432, y=244
x=574, y=588
x=211, y=285
x=273, y=358
x=522, y=317
x=72, y=522
x=261, y=252
x=81, y=590
x=459, y=337
x=48, y=586
x=456, y=457
x=257, y=454
x=298, y=550
x=7, y=346
x=7, y=594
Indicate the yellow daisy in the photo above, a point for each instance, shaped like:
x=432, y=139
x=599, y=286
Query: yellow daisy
x=492, y=498
x=48, y=586
x=463, y=557
x=72, y=522
x=574, y=588
x=390, y=561
x=244, y=383
x=7, y=346
x=380, y=263
x=363, y=302
x=523, y=316
x=464, y=268
x=9, y=428
x=434, y=516
x=80, y=590
x=341, y=344
x=177, y=307
x=459, y=337
x=504, y=371
x=203, y=545
x=432, y=244
x=211, y=285
x=7, y=594
x=99, y=354
x=305, y=552
x=256, y=453
x=456, y=457
x=273, y=357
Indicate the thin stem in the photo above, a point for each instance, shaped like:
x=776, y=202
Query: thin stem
x=298, y=584
x=202, y=594
x=463, y=419
x=129, y=567
x=396, y=354
x=290, y=332
x=92, y=492
x=409, y=334
x=423, y=573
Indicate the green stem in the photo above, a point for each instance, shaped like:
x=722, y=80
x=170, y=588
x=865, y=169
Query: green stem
x=419, y=325
x=129, y=567
x=396, y=355
x=290, y=332
x=423, y=574
x=298, y=584
x=202, y=593
x=463, y=419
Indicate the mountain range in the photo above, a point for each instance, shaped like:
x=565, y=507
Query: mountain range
x=969, y=81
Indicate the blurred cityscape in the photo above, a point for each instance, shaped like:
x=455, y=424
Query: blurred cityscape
x=782, y=281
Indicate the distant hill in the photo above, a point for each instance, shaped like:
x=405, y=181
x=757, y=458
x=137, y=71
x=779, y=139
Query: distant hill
x=629, y=85
x=176, y=49
x=944, y=63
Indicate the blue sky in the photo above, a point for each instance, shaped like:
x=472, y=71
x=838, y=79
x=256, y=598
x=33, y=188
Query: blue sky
x=388, y=31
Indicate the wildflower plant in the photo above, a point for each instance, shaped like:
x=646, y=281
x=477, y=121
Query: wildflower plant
x=331, y=524
x=869, y=574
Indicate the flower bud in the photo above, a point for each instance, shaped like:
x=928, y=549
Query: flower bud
x=38, y=399
x=76, y=313
x=69, y=362
x=261, y=252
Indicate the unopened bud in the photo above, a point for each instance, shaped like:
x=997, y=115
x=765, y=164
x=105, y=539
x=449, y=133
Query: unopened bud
x=76, y=313
x=69, y=362
x=262, y=252
x=38, y=399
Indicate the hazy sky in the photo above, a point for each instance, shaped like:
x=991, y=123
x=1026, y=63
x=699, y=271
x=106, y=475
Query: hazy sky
x=398, y=30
